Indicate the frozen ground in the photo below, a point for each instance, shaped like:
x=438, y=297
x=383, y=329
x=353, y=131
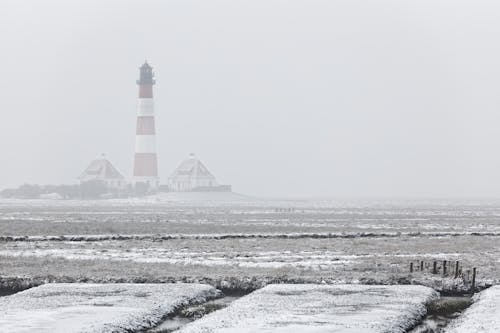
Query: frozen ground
x=99, y=308
x=155, y=240
x=482, y=317
x=269, y=217
x=316, y=308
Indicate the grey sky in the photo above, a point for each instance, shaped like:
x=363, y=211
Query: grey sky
x=278, y=98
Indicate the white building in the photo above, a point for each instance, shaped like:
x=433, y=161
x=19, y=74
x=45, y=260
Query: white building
x=191, y=175
x=102, y=170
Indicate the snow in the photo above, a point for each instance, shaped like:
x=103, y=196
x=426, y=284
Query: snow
x=268, y=259
x=99, y=308
x=320, y=308
x=73, y=241
x=217, y=236
x=481, y=317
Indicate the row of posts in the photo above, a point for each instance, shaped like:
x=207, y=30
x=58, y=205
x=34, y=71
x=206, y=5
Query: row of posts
x=447, y=270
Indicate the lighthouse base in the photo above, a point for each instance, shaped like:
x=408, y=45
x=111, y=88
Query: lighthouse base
x=148, y=184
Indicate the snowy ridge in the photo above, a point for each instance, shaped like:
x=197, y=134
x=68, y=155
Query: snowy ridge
x=326, y=235
x=320, y=308
x=247, y=283
x=96, y=308
x=483, y=316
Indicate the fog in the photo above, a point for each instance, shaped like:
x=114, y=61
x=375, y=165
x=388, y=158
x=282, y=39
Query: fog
x=278, y=98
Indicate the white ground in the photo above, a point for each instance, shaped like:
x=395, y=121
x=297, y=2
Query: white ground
x=481, y=317
x=99, y=308
x=314, y=260
x=320, y=308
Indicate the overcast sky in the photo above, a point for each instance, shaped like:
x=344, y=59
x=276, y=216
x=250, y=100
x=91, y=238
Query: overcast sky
x=278, y=98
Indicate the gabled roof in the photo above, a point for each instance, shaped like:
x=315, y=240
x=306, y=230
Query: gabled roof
x=191, y=167
x=100, y=169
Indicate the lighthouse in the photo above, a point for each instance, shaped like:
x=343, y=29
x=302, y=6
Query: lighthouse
x=145, y=159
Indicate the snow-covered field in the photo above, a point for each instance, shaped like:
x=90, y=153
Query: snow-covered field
x=482, y=317
x=237, y=244
x=99, y=308
x=320, y=308
x=84, y=218
x=153, y=239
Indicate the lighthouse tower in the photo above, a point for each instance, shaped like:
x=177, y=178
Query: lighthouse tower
x=145, y=159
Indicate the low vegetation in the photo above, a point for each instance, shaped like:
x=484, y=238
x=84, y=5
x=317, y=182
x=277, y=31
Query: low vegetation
x=86, y=190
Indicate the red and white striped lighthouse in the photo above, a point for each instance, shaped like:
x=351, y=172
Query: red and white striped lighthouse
x=145, y=159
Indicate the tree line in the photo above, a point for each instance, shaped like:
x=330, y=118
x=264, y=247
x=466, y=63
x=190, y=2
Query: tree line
x=94, y=189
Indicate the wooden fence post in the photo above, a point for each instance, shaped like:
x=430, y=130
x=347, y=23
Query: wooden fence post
x=473, y=286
